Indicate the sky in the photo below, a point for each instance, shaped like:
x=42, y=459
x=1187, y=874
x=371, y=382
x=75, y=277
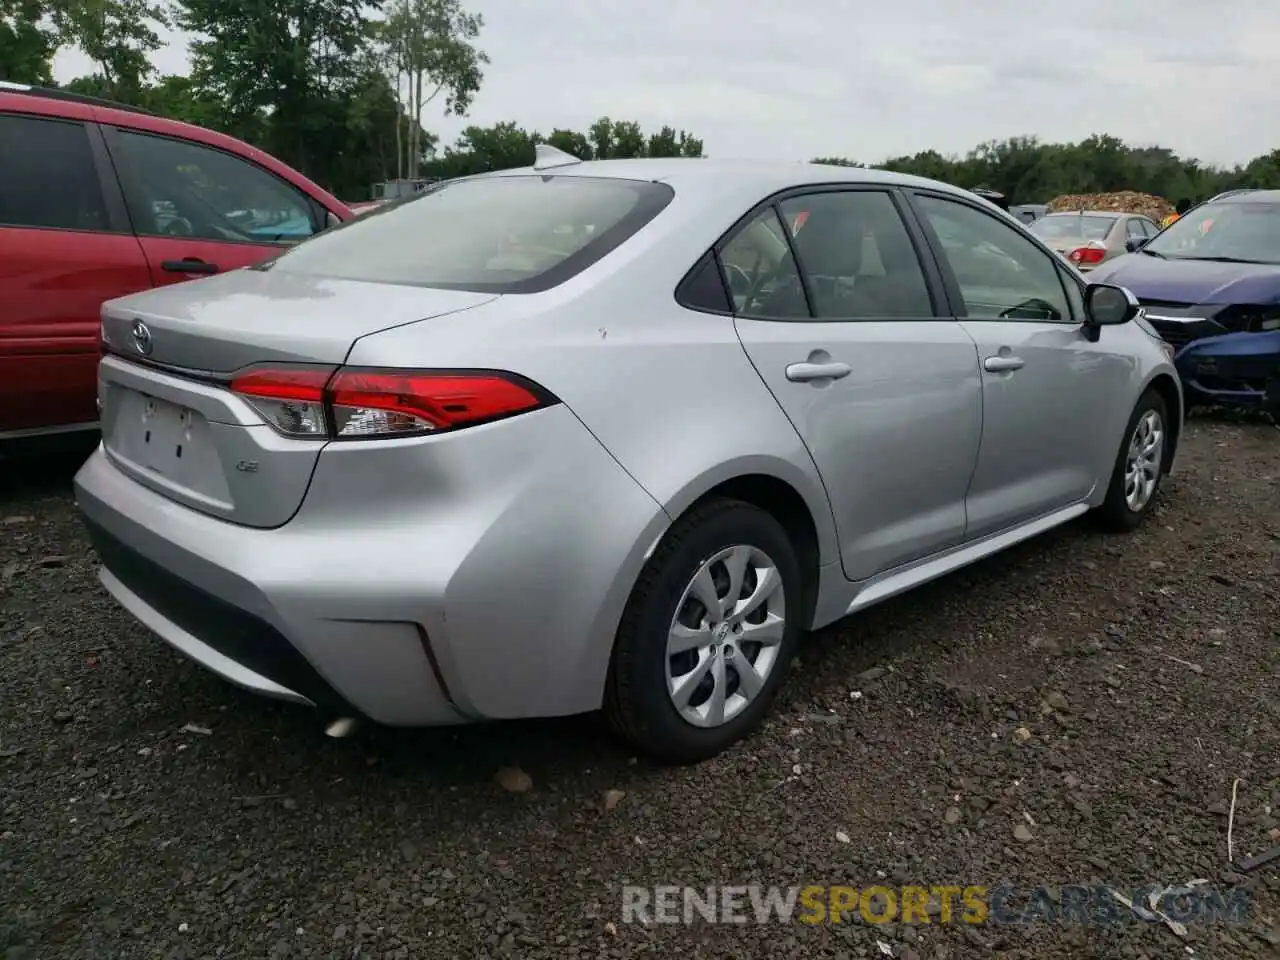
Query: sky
x=867, y=80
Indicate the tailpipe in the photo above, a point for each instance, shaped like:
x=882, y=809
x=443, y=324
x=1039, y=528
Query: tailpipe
x=342, y=727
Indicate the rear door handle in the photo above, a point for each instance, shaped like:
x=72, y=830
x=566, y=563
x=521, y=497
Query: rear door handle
x=189, y=265
x=806, y=372
x=1001, y=364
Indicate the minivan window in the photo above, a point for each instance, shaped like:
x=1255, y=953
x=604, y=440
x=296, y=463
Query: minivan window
x=503, y=234
x=181, y=189
x=48, y=177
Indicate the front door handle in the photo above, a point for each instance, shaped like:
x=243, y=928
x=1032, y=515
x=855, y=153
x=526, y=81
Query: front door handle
x=807, y=372
x=189, y=265
x=1002, y=364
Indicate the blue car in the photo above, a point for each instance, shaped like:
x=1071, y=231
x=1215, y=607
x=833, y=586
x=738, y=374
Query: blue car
x=1210, y=283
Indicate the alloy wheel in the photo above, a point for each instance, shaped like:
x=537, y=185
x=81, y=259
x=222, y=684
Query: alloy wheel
x=1143, y=461
x=726, y=635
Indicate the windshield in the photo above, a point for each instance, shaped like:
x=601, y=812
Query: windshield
x=514, y=234
x=1072, y=226
x=1242, y=231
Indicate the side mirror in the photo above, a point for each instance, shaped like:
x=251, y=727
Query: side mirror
x=1134, y=244
x=331, y=219
x=1107, y=305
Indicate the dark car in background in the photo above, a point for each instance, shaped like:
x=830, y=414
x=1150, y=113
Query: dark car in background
x=1029, y=212
x=1210, y=285
x=98, y=200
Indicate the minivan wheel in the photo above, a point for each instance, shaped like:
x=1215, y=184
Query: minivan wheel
x=707, y=634
x=1139, y=466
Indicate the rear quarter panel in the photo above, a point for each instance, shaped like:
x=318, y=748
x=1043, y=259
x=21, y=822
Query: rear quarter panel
x=668, y=391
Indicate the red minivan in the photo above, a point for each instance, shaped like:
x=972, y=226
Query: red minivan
x=98, y=200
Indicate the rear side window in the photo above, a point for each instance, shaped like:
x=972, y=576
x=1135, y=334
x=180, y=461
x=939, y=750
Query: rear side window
x=182, y=189
x=48, y=177
x=514, y=234
x=761, y=273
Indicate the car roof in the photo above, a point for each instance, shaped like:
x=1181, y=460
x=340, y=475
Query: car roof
x=1092, y=213
x=1248, y=196
x=764, y=176
x=68, y=96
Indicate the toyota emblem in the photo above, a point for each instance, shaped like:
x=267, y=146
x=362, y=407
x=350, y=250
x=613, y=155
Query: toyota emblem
x=142, y=338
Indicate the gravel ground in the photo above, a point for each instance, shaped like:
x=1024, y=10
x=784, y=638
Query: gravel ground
x=1074, y=711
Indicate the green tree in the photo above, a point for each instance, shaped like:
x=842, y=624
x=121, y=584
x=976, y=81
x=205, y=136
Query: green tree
x=178, y=97
x=1029, y=171
x=507, y=145
x=117, y=35
x=429, y=48
x=601, y=137
x=628, y=141
x=690, y=146
x=27, y=43
x=298, y=65
x=571, y=142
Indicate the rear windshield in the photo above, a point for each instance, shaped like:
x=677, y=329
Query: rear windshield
x=1072, y=226
x=516, y=234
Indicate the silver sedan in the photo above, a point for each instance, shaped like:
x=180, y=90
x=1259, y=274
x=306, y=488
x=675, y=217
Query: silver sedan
x=610, y=434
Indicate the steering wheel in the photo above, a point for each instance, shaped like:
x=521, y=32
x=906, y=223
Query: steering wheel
x=178, y=227
x=1033, y=306
x=739, y=281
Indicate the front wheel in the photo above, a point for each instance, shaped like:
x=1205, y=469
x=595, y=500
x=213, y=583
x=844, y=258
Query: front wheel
x=707, y=635
x=1139, y=466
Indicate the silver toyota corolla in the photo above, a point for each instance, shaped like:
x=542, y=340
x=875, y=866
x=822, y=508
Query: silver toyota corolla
x=605, y=434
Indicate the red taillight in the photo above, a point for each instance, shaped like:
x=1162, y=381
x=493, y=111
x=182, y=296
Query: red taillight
x=291, y=399
x=1082, y=255
x=352, y=403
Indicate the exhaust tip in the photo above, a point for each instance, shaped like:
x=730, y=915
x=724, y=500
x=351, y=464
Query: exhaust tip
x=342, y=727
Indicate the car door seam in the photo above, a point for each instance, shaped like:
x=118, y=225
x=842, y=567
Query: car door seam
x=982, y=422
x=822, y=481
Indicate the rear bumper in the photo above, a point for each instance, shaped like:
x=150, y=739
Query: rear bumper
x=233, y=643
x=183, y=577
x=465, y=577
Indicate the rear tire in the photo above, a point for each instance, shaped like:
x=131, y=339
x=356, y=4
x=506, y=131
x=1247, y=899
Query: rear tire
x=1139, y=467
x=663, y=699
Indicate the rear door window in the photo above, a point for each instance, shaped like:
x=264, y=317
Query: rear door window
x=48, y=177
x=503, y=234
x=181, y=189
x=857, y=256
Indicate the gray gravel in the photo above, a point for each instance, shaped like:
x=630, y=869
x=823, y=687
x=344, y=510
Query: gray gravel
x=122, y=835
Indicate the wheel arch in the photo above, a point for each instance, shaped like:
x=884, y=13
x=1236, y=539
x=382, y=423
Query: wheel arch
x=808, y=524
x=1167, y=387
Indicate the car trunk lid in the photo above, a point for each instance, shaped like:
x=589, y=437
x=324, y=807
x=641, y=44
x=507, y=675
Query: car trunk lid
x=225, y=323
x=168, y=418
